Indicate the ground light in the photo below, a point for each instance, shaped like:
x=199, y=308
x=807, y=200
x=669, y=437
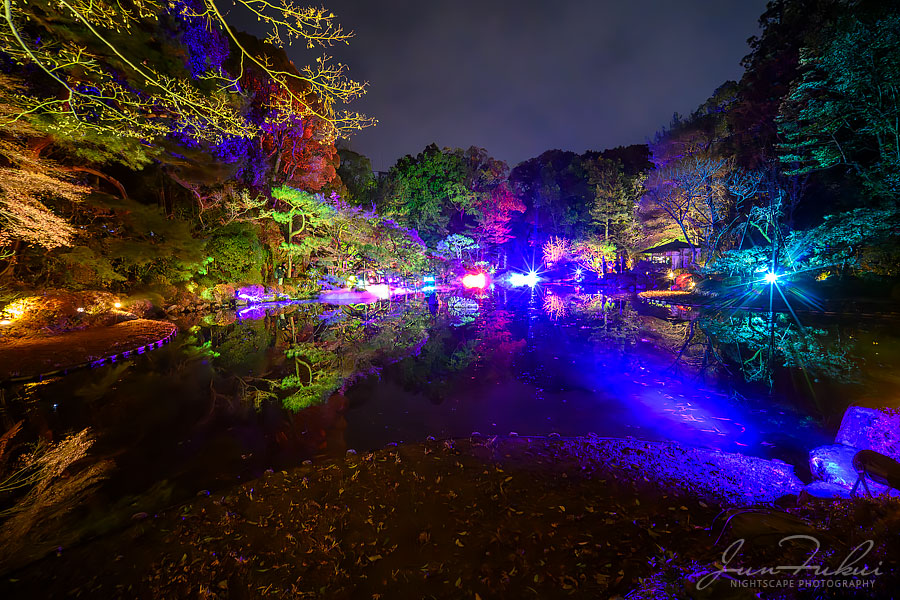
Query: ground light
x=771, y=277
x=474, y=280
x=380, y=290
x=521, y=279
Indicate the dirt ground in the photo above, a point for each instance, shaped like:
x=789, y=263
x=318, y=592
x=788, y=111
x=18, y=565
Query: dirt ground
x=475, y=518
x=30, y=357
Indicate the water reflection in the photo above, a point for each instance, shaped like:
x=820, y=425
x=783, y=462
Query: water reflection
x=270, y=385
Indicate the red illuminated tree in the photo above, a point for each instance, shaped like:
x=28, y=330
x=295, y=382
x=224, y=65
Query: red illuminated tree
x=495, y=210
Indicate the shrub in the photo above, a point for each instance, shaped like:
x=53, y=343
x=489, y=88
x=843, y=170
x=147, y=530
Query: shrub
x=236, y=256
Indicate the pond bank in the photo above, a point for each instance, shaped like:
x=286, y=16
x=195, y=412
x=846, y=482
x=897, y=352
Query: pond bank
x=34, y=358
x=856, y=307
x=482, y=517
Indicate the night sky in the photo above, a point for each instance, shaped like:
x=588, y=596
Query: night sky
x=521, y=77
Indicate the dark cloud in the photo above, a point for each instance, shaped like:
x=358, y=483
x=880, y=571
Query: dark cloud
x=522, y=77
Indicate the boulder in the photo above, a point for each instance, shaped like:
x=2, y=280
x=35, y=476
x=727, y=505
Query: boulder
x=834, y=465
x=875, y=429
x=821, y=489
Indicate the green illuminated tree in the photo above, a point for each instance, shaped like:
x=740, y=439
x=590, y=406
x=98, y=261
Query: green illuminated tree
x=301, y=215
x=844, y=109
x=613, y=204
x=428, y=190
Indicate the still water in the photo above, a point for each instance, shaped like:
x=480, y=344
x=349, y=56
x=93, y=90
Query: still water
x=267, y=387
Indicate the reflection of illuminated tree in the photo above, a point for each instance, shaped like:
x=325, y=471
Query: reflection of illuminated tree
x=453, y=354
x=556, y=307
x=598, y=305
x=240, y=349
x=398, y=330
x=324, y=347
x=315, y=375
x=464, y=310
x=440, y=357
x=496, y=347
x=613, y=322
x=757, y=342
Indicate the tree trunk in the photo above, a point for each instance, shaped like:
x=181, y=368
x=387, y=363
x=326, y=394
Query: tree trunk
x=290, y=237
x=114, y=182
x=38, y=145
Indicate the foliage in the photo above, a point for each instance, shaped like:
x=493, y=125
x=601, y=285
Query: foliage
x=97, y=69
x=300, y=214
x=427, y=191
x=840, y=241
x=236, y=254
x=843, y=109
x=594, y=253
x=457, y=245
x=854, y=242
x=746, y=262
x=126, y=241
x=614, y=196
x=770, y=68
x=395, y=246
x=85, y=267
x=28, y=187
x=25, y=217
x=342, y=239
x=39, y=485
x=452, y=192
x=559, y=191
x=556, y=249
x=495, y=211
x=356, y=174
x=691, y=191
x=555, y=190
x=227, y=204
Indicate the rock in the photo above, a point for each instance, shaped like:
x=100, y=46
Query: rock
x=834, y=464
x=822, y=489
x=875, y=429
x=786, y=501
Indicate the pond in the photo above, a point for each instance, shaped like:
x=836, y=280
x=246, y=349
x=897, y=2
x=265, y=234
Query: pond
x=272, y=385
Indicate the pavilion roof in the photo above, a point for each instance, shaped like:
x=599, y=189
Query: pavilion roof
x=669, y=247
